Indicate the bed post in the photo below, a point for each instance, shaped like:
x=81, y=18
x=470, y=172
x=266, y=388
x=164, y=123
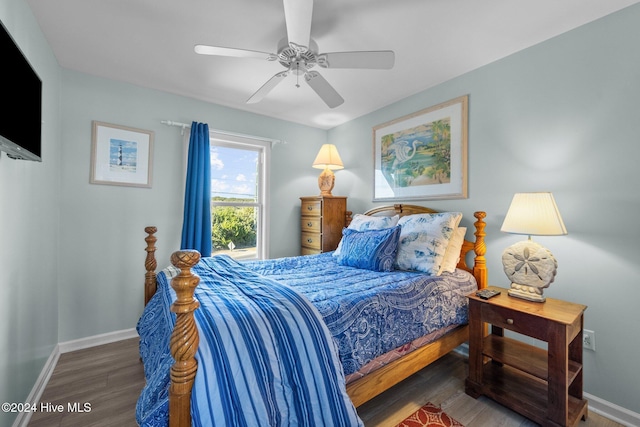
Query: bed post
x=348, y=217
x=150, y=264
x=480, y=248
x=184, y=338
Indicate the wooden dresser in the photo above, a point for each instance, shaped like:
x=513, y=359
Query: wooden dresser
x=322, y=219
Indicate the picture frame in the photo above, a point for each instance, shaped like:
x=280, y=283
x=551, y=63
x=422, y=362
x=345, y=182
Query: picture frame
x=121, y=155
x=423, y=155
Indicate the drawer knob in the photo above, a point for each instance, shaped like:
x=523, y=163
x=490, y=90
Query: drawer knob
x=309, y=208
x=309, y=224
x=309, y=240
x=510, y=321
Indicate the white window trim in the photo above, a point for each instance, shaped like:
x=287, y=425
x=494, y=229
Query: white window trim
x=265, y=159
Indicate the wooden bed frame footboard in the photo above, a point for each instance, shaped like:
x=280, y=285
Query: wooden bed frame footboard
x=184, y=339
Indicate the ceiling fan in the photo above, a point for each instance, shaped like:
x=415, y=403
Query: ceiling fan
x=298, y=53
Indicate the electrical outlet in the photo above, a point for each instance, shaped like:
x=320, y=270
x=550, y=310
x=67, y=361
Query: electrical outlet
x=589, y=339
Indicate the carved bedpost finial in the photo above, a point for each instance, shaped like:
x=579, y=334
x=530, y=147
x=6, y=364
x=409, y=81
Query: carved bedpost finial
x=150, y=264
x=480, y=248
x=184, y=339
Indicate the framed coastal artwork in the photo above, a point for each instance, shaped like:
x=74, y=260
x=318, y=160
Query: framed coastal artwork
x=121, y=155
x=423, y=156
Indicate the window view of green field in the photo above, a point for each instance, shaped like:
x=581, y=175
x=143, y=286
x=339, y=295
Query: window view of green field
x=235, y=201
x=234, y=229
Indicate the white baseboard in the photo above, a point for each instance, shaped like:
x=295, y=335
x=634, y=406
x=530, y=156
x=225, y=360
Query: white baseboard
x=24, y=417
x=612, y=411
x=96, y=340
x=64, y=347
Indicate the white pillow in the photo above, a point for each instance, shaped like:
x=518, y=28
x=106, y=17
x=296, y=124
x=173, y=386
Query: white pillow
x=452, y=254
x=361, y=222
x=424, y=239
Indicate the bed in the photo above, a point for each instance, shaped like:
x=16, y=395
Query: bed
x=346, y=366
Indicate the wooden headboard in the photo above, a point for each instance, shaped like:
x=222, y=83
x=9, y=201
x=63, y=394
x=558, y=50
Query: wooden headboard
x=478, y=268
x=479, y=265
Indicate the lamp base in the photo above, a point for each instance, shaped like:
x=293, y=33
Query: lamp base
x=526, y=292
x=530, y=268
x=326, y=181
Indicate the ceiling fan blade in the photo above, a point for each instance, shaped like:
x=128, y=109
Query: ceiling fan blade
x=375, y=59
x=323, y=89
x=297, y=14
x=236, y=53
x=267, y=87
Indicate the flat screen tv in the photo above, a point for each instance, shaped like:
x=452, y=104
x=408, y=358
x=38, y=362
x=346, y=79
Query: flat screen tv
x=21, y=119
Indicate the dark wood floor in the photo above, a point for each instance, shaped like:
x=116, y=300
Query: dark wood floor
x=109, y=378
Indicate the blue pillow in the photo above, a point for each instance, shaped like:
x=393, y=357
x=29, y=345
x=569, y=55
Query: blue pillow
x=370, y=249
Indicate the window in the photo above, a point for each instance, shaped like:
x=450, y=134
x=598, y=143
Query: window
x=238, y=196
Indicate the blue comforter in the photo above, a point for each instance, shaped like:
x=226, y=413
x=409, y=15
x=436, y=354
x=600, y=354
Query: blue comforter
x=269, y=356
x=265, y=356
x=370, y=313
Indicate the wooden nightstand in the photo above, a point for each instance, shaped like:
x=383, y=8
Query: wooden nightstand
x=543, y=385
x=322, y=219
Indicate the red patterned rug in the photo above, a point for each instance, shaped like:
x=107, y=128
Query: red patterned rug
x=429, y=415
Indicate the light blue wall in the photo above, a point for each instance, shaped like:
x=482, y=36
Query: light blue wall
x=29, y=214
x=102, y=272
x=562, y=116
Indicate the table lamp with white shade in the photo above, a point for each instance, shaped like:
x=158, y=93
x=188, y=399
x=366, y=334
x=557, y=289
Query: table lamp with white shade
x=529, y=266
x=329, y=160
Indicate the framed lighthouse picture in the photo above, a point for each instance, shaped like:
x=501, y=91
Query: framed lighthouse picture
x=121, y=155
x=422, y=156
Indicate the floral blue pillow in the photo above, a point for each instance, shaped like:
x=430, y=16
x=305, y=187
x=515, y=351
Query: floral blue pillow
x=424, y=240
x=361, y=222
x=370, y=249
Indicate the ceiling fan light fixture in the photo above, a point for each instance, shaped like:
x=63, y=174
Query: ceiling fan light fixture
x=298, y=53
x=299, y=67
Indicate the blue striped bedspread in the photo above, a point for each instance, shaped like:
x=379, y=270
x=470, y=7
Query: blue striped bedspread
x=371, y=313
x=265, y=358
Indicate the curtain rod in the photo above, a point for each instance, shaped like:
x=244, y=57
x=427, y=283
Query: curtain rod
x=223, y=132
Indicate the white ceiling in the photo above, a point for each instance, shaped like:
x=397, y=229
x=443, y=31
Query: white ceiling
x=150, y=43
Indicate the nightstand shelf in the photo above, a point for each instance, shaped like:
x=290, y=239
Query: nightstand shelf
x=543, y=385
x=526, y=394
x=523, y=357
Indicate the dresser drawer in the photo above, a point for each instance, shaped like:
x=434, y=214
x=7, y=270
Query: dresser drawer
x=311, y=208
x=522, y=323
x=310, y=224
x=311, y=240
x=307, y=251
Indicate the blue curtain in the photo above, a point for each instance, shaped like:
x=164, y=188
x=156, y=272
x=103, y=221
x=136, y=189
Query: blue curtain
x=196, y=226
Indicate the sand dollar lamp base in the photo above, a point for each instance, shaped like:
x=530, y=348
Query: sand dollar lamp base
x=529, y=293
x=530, y=267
